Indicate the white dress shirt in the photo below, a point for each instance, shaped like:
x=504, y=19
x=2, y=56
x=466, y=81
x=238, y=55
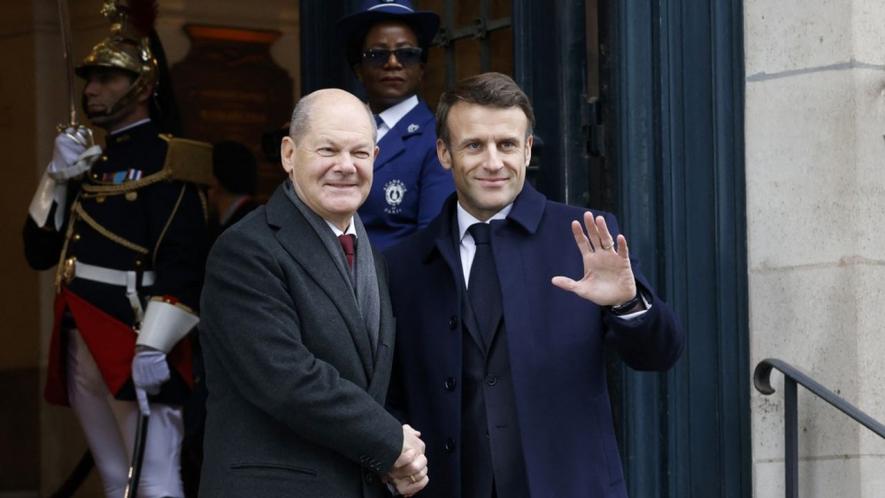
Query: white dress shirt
x=467, y=246
x=391, y=116
x=338, y=232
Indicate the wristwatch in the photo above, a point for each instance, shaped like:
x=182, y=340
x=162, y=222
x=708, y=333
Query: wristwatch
x=637, y=303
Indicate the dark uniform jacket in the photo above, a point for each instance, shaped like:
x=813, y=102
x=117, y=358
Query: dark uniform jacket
x=409, y=184
x=160, y=226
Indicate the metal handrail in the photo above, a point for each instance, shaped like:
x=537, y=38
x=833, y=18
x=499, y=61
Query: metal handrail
x=792, y=377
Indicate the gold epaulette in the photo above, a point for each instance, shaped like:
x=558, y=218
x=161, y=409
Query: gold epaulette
x=188, y=160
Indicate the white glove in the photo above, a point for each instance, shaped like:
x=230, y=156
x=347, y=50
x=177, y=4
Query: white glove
x=73, y=154
x=149, y=372
x=49, y=192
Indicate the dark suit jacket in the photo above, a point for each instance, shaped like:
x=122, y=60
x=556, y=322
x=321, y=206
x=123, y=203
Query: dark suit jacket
x=295, y=404
x=555, y=342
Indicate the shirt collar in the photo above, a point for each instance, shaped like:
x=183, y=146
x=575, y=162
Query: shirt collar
x=351, y=229
x=465, y=219
x=394, y=113
x=130, y=126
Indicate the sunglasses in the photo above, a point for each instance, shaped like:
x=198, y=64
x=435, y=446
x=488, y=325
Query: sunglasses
x=406, y=56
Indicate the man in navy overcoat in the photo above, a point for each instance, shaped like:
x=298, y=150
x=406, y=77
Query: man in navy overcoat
x=499, y=355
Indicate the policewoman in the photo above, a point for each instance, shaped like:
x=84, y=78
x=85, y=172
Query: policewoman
x=387, y=44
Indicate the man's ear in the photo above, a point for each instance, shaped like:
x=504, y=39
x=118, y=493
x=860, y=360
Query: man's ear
x=145, y=94
x=442, y=152
x=287, y=154
x=529, y=141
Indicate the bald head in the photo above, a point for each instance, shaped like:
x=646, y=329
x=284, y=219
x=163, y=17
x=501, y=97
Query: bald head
x=323, y=101
x=329, y=154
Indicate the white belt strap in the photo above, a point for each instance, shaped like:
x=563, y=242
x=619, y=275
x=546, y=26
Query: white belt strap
x=128, y=279
x=113, y=277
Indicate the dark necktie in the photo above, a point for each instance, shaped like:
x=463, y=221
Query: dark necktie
x=378, y=120
x=348, y=241
x=483, y=287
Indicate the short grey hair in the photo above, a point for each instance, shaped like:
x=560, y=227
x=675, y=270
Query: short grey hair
x=300, y=122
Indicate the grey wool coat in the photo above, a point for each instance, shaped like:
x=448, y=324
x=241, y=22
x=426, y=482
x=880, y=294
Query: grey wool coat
x=296, y=389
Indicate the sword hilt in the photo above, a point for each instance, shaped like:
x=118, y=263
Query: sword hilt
x=80, y=134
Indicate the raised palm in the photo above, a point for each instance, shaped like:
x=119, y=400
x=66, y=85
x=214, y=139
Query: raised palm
x=608, y=278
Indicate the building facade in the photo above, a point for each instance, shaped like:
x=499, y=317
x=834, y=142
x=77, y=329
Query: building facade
x=740, y=143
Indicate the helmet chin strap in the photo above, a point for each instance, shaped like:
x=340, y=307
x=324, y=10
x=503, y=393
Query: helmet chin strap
x=123, y=102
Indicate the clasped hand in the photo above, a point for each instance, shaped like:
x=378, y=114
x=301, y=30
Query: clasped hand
x=409, y=473
x=608, y=278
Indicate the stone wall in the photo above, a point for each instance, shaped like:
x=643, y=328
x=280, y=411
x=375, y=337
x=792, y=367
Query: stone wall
x=815, y=165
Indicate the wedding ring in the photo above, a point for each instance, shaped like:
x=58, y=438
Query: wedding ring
x=412, y=478
x=607, y=247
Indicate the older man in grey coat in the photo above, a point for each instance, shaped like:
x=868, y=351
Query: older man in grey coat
x=298, y=331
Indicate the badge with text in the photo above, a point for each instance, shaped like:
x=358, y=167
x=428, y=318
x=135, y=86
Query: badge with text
x=394, y=191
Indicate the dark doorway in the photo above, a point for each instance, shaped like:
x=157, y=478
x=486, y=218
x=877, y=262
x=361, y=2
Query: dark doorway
x=640, y=112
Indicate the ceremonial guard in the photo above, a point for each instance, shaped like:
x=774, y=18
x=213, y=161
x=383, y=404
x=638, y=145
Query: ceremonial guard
x=126, y=226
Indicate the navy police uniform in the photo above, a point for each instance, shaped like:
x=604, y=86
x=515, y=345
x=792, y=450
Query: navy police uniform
x=409, y=185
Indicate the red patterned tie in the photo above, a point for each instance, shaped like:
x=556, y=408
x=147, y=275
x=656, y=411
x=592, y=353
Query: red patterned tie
x=348, y=241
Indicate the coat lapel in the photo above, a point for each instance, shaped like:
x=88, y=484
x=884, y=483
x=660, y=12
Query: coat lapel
x=390, y=146
x=415, y=122
x=446, y=243
x=525, y=217
x=386, y=337
x=303, y=244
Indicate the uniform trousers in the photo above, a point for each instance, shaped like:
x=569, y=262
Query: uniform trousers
x=109, y=426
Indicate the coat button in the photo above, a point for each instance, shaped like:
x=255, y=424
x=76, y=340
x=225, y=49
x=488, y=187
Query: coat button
x=491, y=380
x=450, y=384
x=449, y=447
x=453, y=322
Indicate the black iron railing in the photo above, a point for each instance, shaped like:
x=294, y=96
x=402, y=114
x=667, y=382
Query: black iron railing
x=792, y=377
